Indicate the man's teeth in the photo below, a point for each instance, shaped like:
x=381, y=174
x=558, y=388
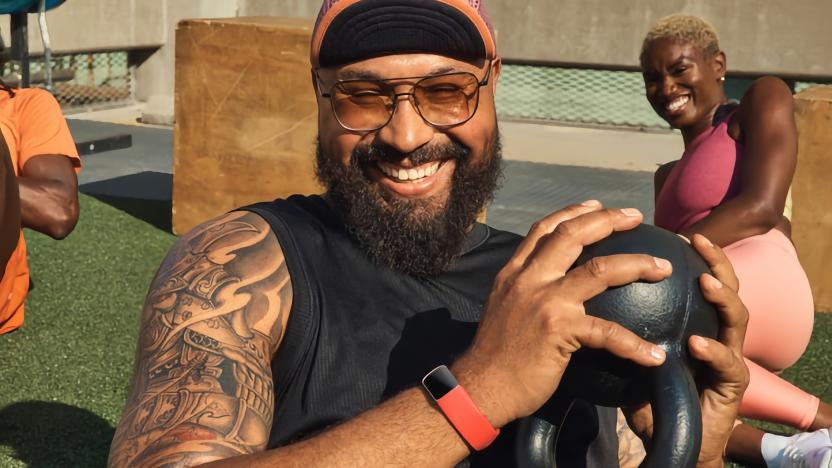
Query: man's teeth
x=677, y=103
x=415, y=173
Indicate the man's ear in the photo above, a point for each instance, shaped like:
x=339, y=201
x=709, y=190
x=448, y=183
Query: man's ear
x=314, y=82
x=496, y=68
x=719, y=63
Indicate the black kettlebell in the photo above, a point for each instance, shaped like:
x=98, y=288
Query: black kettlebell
x=666, y=313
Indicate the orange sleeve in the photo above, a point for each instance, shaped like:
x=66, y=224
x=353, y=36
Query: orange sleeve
x=43, y=129
x=14, y=287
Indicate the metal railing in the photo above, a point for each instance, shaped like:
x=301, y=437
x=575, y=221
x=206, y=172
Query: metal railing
x=80, y=79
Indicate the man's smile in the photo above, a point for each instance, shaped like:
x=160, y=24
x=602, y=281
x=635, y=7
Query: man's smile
x=401, y=174
x=410, y=181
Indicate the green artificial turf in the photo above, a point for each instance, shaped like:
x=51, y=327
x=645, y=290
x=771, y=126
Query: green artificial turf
x=64, y=375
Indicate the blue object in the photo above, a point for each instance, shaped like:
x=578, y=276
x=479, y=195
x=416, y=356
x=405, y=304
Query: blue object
x=8, y=7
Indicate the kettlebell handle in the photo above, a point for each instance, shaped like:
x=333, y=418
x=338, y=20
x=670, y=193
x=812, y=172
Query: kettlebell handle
x=677, y=416
x=677, y=423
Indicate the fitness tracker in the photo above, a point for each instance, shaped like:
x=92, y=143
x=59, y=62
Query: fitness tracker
x=459, y=409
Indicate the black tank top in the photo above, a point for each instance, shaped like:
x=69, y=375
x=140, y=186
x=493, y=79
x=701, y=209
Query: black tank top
x=360, y=333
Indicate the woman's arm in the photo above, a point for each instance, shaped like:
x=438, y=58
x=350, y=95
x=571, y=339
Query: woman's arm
x=765, y=119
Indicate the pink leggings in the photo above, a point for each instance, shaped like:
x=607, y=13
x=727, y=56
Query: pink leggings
x=776, y=291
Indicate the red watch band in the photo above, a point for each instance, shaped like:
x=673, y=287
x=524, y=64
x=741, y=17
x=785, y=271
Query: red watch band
x=459, y=409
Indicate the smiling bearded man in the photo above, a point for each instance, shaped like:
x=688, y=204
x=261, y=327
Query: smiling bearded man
x=296, y=332
x=417, y=236
x=308, y=311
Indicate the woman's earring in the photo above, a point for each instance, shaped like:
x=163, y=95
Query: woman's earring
x=722, y=79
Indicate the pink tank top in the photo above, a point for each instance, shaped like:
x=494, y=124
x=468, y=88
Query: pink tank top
x=705, y=176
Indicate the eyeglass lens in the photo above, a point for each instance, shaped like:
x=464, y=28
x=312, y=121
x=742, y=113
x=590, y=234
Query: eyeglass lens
x=442, y=100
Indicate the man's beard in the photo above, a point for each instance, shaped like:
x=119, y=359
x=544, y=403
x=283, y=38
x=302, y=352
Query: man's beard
x=418, y=237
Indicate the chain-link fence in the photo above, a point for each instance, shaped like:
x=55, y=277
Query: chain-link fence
x=570, y=95
x=81, y=79
x=801, y=85
x=588, y=96
x=576, y=95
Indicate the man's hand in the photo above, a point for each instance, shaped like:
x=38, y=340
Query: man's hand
x=534, y=318
x=722, y=388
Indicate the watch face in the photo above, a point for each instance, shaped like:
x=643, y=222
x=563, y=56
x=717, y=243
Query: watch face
x=439, y=382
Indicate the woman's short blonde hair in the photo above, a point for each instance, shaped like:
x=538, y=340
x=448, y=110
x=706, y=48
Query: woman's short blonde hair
x=683, y=28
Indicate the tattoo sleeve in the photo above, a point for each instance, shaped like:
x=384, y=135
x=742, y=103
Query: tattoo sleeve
x=202, y=387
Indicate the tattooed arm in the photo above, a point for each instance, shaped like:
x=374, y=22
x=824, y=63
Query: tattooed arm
x=202, y=387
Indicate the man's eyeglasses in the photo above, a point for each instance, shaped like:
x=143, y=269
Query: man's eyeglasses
x=441, y=100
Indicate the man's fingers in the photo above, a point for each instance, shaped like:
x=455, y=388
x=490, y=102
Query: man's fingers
x=716, y=260
x=548, y=224
x=597, y=333
x=725, y=363
x=555, y=253
x=596, y=275
x=721, y=289
x=733, y=315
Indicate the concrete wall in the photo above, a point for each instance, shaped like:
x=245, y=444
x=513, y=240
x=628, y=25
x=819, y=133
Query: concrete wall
x=98, y=24
x=82, y=25
x=149, y=25
x=294, y=8
x=759, y=36
x=154, y=77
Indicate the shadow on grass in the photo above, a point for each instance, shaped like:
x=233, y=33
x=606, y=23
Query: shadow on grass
x=157, y=213
x=47, y=434
x=144, y=195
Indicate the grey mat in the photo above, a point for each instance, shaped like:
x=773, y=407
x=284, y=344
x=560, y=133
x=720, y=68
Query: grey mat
x=152, y=150
x=530, y=191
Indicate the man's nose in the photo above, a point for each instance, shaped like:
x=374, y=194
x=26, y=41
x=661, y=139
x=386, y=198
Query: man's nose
x=406, y=131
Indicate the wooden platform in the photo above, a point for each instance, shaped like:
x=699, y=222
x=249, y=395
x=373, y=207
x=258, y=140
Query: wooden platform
x=812, y=191
x=246, y=115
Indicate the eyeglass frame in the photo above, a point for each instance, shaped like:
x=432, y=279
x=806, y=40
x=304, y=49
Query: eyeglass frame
x=396, y=96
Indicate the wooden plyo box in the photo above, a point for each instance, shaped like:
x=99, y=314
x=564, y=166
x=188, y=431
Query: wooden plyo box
x=812, y=191
x=246, y=116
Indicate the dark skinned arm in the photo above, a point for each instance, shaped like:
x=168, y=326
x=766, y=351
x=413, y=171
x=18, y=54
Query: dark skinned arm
x=49, y=195
x=202, y=390
x=9, y=209
x=766, y=127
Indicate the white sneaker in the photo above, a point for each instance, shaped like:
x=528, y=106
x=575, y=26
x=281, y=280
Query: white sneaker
x=809, y=450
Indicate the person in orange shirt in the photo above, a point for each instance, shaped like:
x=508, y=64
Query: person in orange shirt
x=9, y=209
x=42, y=155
